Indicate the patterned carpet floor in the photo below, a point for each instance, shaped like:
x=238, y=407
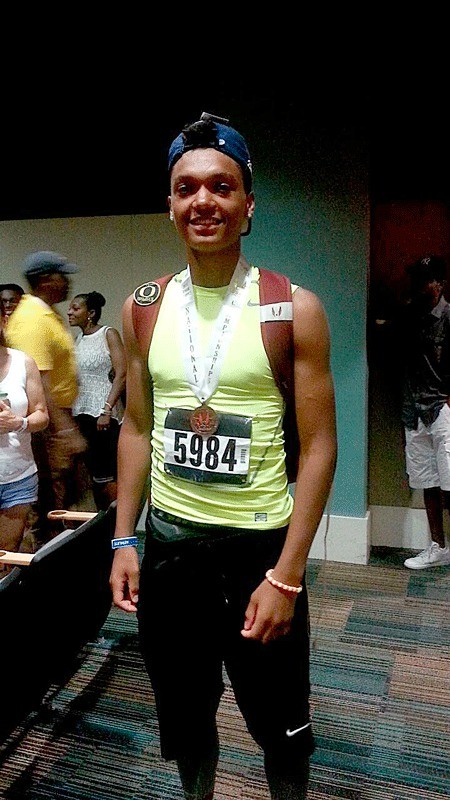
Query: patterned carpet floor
x=380, y=702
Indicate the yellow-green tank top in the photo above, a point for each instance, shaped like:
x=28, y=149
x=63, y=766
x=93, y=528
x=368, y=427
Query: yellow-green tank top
x=246, y=387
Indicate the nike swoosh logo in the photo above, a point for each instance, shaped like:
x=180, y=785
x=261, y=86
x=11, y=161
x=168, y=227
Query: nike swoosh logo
x=297, y=730
x=252, y=304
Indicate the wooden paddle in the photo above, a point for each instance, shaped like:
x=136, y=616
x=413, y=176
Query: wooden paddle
x=23, y=559
x=72, y=516
x=16, y=559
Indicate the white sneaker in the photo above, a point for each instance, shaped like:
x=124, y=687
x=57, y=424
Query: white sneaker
x=432, y=556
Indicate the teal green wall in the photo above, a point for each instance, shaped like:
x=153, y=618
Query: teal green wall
x=312, y=222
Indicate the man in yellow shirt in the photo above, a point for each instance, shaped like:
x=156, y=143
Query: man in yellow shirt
x=38, y=329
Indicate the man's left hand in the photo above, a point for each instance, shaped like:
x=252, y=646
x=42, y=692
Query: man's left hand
x=269, y=614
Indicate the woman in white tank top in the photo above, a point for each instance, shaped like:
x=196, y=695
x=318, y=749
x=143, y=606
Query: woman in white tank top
x=99, y=406
x=23, y=411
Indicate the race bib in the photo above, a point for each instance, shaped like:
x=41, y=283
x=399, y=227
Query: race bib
x=222, y=457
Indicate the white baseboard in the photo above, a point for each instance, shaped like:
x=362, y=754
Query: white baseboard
x=395, y=526
x=347, y=539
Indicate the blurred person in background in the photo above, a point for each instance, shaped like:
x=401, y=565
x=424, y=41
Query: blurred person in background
x=10, y=295
x=23, y=411
x=38, y=329
x=98, y=408
x=424, y=334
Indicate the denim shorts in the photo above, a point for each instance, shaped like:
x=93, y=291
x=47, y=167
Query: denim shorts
x=18, y=493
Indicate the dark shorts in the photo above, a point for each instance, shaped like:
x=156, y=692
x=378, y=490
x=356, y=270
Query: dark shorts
x=101, y=455
x=192, y=602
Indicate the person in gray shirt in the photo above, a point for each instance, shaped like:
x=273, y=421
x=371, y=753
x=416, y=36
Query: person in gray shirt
x=425, y=331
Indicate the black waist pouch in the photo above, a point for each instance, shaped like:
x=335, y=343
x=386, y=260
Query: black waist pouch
x=169, y=529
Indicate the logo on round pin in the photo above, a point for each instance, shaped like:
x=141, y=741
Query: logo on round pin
x=147, y=294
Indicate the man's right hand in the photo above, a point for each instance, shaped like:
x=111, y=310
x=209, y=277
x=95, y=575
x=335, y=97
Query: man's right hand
x=124, y=579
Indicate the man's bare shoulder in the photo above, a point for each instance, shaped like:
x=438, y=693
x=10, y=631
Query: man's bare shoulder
x=306, y=301
x=311, y=330
x=128, y=304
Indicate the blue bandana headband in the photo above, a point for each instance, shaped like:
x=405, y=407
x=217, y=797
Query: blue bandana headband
x=224, y=139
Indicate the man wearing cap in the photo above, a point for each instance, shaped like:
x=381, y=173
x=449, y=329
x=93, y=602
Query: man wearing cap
x=222, y=579
x=38, y=329
x=425, y=331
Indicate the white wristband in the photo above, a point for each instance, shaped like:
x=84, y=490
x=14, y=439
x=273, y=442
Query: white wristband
x=24, y=425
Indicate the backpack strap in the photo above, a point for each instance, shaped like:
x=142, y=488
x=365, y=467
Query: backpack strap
x=147, y=300
x=277, y=331
x=276, y=316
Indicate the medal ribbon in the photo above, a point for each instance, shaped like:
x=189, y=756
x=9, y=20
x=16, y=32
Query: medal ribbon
x=203, y=373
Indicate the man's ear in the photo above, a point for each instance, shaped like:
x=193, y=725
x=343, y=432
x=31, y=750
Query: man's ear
x=250, y=207
x=250, y=203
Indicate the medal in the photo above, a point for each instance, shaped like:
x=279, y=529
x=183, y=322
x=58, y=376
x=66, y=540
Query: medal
x=204, y=420
x=202, y=373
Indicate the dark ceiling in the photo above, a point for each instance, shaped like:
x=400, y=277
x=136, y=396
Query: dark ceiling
x=100, y=155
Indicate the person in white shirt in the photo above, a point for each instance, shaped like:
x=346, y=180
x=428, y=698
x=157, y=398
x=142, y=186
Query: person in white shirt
x=98, y=408
x=23, y=411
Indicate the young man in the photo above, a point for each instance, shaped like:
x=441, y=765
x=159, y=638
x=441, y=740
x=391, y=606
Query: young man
x=209, y=421
x=425, y=332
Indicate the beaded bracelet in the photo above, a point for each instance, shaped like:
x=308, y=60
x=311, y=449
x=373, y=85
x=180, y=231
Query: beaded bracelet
x=126, y=541
x=284, y=586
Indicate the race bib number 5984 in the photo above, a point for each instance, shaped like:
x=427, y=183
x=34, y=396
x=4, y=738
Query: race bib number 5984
x=222, y=457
